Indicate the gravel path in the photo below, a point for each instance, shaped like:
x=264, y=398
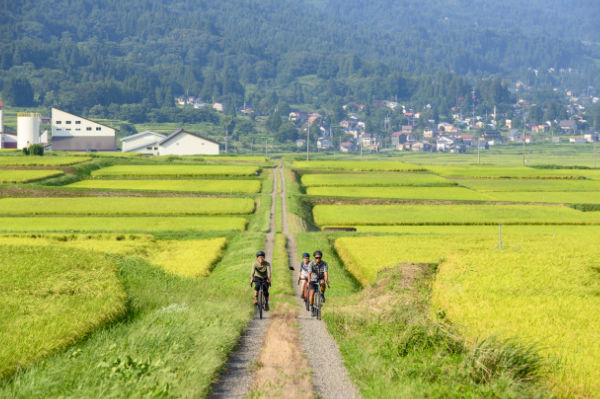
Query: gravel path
x=330, y=377
x=236, y=380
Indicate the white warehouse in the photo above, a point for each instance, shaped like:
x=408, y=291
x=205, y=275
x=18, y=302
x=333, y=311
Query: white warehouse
x=182, y=142
x=145, y=142
x=75, y=133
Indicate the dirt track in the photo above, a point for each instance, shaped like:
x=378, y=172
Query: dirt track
x=330, y=377
x=236, y=380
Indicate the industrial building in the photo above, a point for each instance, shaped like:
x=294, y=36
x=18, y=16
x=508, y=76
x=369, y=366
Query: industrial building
x=145, y=142
x=75, y=133
x=182, y=142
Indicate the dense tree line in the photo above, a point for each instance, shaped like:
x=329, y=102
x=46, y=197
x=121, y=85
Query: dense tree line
x=130, y=59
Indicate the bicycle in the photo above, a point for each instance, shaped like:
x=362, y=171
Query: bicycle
x=261, y=302
x=305, y=293
x=318, y=301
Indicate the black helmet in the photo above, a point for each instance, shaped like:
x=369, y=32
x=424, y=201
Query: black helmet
x=260, y=253
x=319, y=253
x=306, y=255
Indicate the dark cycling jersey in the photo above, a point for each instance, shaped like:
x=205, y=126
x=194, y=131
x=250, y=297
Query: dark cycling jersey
x=317, y=270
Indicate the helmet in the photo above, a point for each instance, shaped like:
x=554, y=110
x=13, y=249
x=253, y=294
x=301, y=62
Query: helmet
x=306, y=255
x=260, y=253
x=319, y=253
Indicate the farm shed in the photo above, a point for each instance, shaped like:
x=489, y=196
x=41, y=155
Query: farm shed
x=182, y=142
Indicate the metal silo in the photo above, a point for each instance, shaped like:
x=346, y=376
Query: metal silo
x=28, y=129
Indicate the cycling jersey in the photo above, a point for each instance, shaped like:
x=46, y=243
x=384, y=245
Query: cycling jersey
x=317, y=270
x=304, y=269
x=261, y=270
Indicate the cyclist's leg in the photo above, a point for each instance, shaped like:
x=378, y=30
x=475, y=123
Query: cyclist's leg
x=257, y=283
x=323, y=285
x=311, y=294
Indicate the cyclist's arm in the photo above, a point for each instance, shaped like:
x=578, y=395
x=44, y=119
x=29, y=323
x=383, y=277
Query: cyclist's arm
x=252, y=274
x=269, y=270
x=327, y=277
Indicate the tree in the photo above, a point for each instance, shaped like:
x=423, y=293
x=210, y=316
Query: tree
x=287, y=132
x=18, y=92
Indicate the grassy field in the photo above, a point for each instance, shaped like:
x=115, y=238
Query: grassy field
x=208, y=186
x=417, y=193
x=375, y=179
x=350, y=215
x=51, y=297
x=176, y=170
x=121, y=224
x=126, y=206
x=391, y=166
x=514, y=185
x=24, y=175
x=41, y=161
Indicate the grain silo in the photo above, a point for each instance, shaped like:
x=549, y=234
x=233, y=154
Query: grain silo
x=28, y=129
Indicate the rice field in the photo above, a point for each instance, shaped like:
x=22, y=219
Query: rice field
x=126, y=206
x=41, y=161
x=375, y=179
x=351, y=215
x=126, y=224
x=404, y=193
x=26, y=175
x=513, y=172
x=540, y=288
x=390, y=166
x=200, y=186
x=570, y=197
x=531, y=185
x=188, y=258
x=176, y=170
x=46, y=305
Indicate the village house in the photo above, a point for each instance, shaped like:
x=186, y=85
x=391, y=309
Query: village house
x=444, y=144
x=492, y=137
x=568, y=126
x=323, y=143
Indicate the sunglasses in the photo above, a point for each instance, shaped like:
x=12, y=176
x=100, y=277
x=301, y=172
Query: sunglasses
x=317, y=257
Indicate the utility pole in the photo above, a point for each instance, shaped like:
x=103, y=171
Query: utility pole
x=595, y=154
x=478, y=145
x=266, y=146
x=523, y=138
x=307, y=140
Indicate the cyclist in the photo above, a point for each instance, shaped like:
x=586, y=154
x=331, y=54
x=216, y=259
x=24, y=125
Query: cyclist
x=303, y=275
x=318, y=276
x=261, y=276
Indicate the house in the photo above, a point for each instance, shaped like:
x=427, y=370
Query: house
x=568, y=126
x=399, y=138
x=429, y=133
x=346, y=146
x=591, y=137
x=421, y=146
x=514, y=135
x=145, y=142
x=444, y=143
x=323, y=143
x=467, y=139
x=71, y=132
x=219, y=107
x=492, y=137
x=300, y=143
x=312, y=118
x=182, y=142
x=298, y=116
x=407, y=129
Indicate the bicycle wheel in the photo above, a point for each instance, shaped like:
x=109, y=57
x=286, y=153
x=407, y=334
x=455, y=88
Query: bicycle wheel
x=318, y=305
x=260, y=303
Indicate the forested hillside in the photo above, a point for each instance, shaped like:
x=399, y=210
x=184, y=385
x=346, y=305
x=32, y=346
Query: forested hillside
x=86, y=55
